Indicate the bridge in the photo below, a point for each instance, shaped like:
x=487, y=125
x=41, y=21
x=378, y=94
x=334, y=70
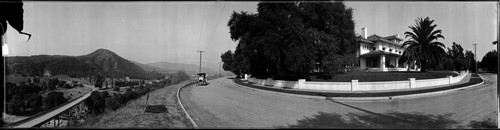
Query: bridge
x=63, y=115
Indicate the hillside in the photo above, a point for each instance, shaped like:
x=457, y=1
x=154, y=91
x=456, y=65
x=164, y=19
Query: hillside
x=101, y=61
x=188, y=68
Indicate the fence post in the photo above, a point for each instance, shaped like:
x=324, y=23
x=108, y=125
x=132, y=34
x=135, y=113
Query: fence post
x=354, y=84
x=450, y=79
x=412, y=82
x=301, y=83
x=268, y=82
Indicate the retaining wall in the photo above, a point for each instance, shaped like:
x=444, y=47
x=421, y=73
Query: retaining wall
x=354, y=85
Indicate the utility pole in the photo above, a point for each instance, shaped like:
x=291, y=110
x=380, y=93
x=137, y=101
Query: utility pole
x=220, y=66
x=200, y=60
x=475, y=56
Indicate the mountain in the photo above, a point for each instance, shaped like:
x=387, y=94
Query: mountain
x=101, y=61
x=188, y=68
x=150, y=68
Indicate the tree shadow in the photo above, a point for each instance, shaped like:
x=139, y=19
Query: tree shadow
x=392, y=120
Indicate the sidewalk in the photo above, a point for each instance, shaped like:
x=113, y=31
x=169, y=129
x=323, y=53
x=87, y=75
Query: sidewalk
x=470, y=79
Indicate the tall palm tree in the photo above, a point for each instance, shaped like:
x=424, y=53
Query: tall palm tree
x=422, y=47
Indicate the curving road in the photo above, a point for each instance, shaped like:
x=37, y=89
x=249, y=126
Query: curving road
x=225, y=104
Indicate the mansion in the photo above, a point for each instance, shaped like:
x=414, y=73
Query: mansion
x=377, y=53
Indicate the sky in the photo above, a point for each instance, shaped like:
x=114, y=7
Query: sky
x=148, y=32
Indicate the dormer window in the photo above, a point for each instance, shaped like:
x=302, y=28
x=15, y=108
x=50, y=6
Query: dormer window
x=390, y=50
x=383, y=48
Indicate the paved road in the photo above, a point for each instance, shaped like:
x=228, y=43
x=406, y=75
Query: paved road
x=224, y=104
x=44, y=117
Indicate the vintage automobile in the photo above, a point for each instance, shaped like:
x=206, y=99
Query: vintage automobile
x=202, y=80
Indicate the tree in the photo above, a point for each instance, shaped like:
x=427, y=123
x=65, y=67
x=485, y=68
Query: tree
x=457, y=55
x=227, y=58
x=54, y=99
x=422, y=46
x=470, y=57
x=287, y=39
x=99, y=81
x=490, y=61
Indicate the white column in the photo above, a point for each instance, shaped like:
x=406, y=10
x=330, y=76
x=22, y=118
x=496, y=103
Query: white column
x=354, y=85
x=412, y=83
x=382, y=62
x=397, y=64
x=301, y=83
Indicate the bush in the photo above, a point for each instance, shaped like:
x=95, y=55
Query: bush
x=116, y=88
x=96, y=102
x=67, y=86
x=54, y=99
x=61, y=83
x=484, y=124
x=113, y=103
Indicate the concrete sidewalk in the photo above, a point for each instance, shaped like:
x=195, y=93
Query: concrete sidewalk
x=470, y=79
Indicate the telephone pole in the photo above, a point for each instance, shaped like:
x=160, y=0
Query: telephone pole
x=220, y=66
x=199, y=71
x=475, y=56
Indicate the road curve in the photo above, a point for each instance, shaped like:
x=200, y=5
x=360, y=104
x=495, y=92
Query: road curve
x=223, y=104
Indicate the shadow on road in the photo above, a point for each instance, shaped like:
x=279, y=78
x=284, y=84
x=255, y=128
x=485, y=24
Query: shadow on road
x=415, y=120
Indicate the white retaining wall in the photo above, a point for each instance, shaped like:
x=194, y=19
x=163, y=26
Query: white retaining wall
x=354, y=85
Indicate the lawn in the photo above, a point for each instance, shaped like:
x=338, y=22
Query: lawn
x=384, y=76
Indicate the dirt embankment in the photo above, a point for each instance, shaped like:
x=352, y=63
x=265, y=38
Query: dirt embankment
x=133, y=115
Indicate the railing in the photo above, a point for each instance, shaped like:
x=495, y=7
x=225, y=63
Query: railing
x=34, y=121
x=354, y=85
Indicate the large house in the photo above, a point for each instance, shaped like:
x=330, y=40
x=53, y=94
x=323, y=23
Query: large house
x=377, y=53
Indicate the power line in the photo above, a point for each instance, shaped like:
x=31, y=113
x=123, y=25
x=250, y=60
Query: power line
x=202, y=23
x=215, y=28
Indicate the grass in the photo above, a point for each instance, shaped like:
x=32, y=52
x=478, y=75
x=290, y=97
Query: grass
x=133, y=114
x=384, y=76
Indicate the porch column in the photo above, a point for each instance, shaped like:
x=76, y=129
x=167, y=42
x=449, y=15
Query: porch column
x=382, y=62
x=397, y=64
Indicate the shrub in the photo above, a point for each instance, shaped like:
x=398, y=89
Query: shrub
x=54, y=99
x=116, y=88
x=112, y=103
x=488, y=124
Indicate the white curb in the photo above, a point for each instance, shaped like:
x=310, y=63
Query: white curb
x=182, y=106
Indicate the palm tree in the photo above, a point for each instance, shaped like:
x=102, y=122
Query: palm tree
x=422, y=47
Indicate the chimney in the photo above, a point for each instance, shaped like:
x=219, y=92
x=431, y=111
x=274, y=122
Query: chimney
x=397, y=35
x=364, y=32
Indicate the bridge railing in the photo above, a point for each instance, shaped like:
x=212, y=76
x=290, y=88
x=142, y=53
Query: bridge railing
x=48, y=111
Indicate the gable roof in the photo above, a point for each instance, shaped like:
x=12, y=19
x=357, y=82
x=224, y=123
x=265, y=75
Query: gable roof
x=393, y=37
x=379, y=38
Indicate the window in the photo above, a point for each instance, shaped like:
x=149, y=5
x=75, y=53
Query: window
x=390, y=50
x=383, y=48
x=373, y=48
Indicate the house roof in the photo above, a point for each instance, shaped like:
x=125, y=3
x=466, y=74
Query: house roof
x=379, y=38
x=378, y=53
x=393, y=37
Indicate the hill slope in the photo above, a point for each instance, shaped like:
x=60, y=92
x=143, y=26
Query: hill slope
x=100, y=61
x=188, y=68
